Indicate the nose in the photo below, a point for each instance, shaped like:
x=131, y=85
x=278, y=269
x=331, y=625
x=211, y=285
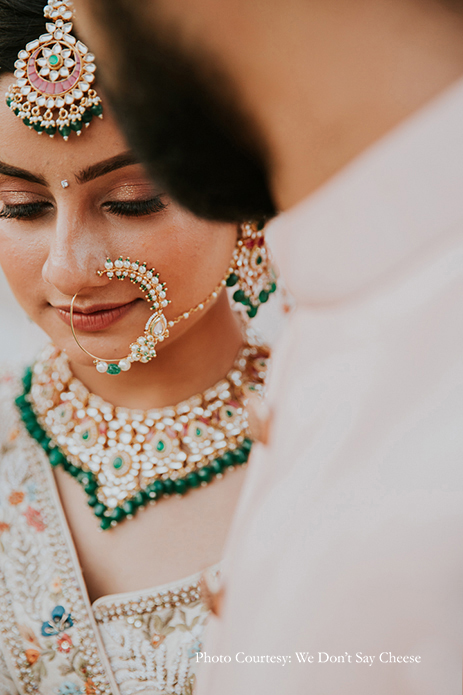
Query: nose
x=75, y=255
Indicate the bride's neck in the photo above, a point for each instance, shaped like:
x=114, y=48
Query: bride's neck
x=187, y=364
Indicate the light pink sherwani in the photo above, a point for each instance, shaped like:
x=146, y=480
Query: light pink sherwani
x=349, y=535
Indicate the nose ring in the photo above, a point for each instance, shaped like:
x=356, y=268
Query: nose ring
x=156, y=330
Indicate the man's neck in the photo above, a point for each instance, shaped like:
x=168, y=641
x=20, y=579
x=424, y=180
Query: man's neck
x=375, y=70
x=323, y=80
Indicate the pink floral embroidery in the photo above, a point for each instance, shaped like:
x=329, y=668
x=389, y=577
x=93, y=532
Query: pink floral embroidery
x=34, y=519
x=64, y=643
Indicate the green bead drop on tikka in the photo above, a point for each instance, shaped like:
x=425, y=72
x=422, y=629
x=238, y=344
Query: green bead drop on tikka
x=96, y=109
x=87, y=116
x=65, y=131
x=156, y=490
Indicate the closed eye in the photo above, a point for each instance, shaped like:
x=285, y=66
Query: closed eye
x=25, y=211
x=135, y=208
x=122, y=208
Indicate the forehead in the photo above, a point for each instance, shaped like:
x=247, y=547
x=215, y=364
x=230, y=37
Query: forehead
x=51, y=157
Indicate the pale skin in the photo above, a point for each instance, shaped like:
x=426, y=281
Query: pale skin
x=50, y=256
x=320, y=80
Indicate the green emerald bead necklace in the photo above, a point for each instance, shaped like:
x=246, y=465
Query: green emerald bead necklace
x=125, y=459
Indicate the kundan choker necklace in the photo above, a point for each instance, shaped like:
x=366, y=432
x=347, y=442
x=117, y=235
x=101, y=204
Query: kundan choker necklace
x=124, y=458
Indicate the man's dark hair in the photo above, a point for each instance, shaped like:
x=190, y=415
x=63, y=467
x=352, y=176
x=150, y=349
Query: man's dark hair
x=199, y=147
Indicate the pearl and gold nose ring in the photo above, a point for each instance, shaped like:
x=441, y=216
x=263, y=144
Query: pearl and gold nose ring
x=156, y=328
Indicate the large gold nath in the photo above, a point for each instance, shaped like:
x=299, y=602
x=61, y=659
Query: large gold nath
x=156, y=330
x=157, y=326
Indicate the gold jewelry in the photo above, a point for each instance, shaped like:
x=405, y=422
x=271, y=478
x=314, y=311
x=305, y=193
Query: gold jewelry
x=253, y=272
x=54, y=75
x=250, y=268
x=127, y=458
x=156, y=330
x=157, y=326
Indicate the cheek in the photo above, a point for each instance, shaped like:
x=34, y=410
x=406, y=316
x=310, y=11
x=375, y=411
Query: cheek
x=194, y=258
x=22, y=261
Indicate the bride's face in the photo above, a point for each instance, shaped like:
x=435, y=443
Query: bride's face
x=53, y=239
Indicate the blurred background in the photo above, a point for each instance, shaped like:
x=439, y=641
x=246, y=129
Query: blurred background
x=20, y=339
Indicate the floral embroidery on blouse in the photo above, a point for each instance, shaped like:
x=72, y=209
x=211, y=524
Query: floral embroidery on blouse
x=152, y=640
x=144, y=646
x=34, y=519
x=50, y=651
x=60, y=621
x=16, y=497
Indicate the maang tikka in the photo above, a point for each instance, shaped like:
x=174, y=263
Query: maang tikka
x=54, y=74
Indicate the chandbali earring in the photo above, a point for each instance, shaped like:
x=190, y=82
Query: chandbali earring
x=251, y=269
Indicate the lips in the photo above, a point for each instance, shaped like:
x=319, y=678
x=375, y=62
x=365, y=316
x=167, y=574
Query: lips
x=94, y=318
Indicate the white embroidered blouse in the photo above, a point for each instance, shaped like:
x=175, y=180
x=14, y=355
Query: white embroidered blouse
x=52, y=640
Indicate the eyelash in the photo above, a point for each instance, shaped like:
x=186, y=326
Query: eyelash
x=21, y=212
x=138, y=208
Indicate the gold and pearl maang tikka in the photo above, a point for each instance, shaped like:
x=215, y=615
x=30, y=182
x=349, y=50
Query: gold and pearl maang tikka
x=54, y=74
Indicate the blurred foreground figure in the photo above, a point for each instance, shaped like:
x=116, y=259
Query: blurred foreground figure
x=345, y=555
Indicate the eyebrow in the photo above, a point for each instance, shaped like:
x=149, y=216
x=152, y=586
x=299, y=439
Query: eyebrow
x=90, y=173
x=17, y=173
x=106, y=167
